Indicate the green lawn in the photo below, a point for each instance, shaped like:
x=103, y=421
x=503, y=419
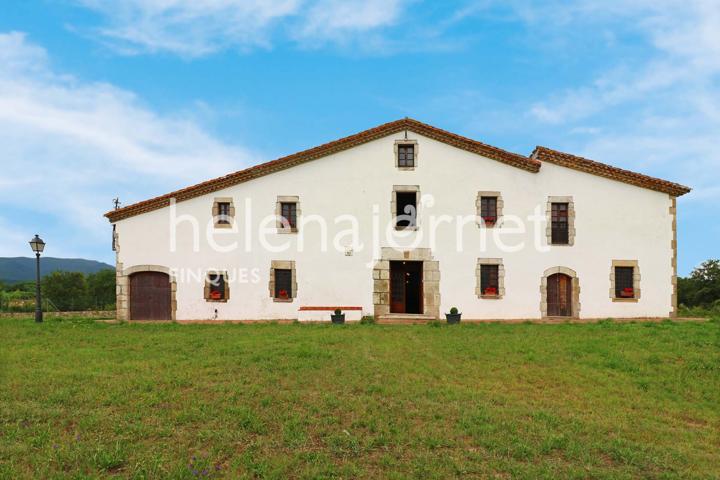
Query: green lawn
x=84, y=399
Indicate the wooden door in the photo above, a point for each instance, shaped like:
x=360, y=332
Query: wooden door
x=397, y=288
x=559, y=295
x=150, y=296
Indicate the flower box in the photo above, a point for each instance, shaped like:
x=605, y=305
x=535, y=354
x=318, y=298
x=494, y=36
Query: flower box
x=627, y=293
x=491, y=291
x=283, y=294
x=216, y=295
x=490, y=220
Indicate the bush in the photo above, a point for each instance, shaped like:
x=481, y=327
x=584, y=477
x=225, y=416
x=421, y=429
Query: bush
x=453, y=311
x=367, y=320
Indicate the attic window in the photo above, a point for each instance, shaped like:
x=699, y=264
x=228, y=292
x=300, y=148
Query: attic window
x=223, y=212
x=406, y=152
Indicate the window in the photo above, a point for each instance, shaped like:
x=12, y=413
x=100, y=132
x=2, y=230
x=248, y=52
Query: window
x=488, y=210
x=489, y=279
x=624, y=282
x=283, y=284
x=288, y=211
x=223, y=213
x=216, y=287
x=406, y=155
x=489, y=207
x=406, y=214
x=560, y=225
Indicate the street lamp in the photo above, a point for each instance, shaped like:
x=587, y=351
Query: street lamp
x=37, y=246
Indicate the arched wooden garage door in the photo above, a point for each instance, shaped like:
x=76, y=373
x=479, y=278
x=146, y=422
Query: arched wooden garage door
x=150, y=296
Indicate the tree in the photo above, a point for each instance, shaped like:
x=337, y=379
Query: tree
x=101, y=289
x=66, y=290
x=702, y=288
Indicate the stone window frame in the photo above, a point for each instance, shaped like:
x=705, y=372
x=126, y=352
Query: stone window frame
x=283, y=265
x=278, y=213
x=636, y=280
x=206, y=289
x=216, y=212
x=571, y=220
x=499, y=208
x=431, y=280
x=393, y=205
x=406, y=141
x=501, y=278
x=574, y=302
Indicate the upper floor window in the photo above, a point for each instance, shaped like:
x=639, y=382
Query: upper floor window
x=223, y=212
x=406, y=210
x=488, y=210
x=560, y=224
x=561, y=221
x=287, y=211
x=406, y=153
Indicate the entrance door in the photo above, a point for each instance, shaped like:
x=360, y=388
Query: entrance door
x=150, y=296
x=406, y=287
x=559, y=295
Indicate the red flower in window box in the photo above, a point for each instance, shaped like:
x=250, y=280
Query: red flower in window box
x=490, y=220
x=491, y=291
x=283, y=294
x=627, y=293
x=216, y=295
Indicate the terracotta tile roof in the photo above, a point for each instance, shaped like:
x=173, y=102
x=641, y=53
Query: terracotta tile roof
x=283, y=163
x=596, y=168
x=531, y=164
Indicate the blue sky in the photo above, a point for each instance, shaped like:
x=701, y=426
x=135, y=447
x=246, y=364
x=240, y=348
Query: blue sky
x=136, y=98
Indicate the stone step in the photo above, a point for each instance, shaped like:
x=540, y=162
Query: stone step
x=404, y=318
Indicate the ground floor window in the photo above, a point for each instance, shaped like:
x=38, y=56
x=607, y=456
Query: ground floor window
x=625, y=281
x=216, y=287
x=490, y=274
x=283, y=281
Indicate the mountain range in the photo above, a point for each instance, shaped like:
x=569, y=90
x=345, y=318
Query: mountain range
x=22, y=269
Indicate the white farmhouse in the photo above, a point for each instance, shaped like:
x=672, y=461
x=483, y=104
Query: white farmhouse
x=404, y=221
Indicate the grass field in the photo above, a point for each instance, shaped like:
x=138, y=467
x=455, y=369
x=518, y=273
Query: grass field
x=607, y=400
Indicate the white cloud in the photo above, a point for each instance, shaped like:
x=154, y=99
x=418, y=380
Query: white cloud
x=68, y=147
x=198, y=27
x=659, y=114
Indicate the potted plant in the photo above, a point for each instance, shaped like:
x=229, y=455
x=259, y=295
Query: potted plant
x=283, y=294
x=453, y=316
x=489, y=220
x=491, y=291
x=338, y=316
x=215, y=295
x=627, y=293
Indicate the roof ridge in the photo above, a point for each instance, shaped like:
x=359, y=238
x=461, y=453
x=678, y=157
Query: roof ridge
x=557, y=157
x=323, y=150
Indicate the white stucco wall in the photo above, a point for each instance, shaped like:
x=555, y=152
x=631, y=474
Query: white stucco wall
x=613, y=221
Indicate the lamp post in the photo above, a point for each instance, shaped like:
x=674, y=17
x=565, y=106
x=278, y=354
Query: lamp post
x=37, y=246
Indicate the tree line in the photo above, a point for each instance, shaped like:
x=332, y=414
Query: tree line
x=701, y=290
x=63, y=291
